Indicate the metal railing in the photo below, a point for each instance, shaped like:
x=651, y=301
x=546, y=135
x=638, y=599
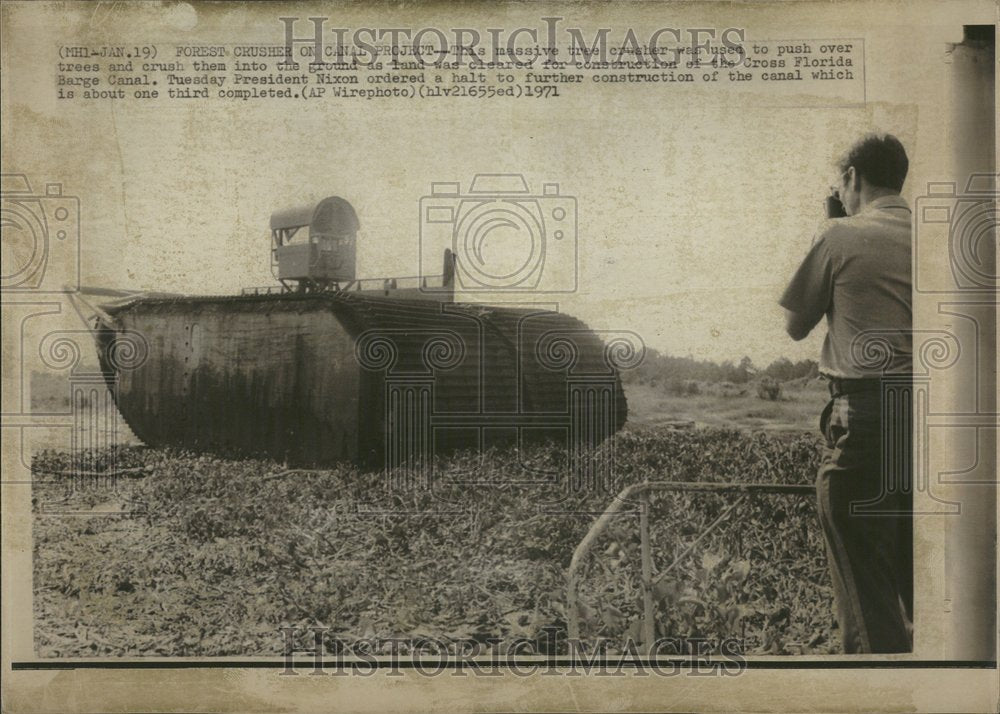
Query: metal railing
x=642, y=490
x=405, y=282
x=265, y=290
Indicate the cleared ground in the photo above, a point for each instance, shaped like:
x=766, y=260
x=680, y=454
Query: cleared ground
x=731, y=406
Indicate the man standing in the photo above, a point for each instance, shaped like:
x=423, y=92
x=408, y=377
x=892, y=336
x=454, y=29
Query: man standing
x=858, y=275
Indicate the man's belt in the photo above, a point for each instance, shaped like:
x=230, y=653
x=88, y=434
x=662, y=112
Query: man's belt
x=840, y=386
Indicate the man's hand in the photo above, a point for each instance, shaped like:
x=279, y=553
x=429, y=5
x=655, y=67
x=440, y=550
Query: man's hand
x=797, y=325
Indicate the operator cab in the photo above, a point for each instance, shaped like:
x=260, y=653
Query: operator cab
x=314, y=249
x=315, y=245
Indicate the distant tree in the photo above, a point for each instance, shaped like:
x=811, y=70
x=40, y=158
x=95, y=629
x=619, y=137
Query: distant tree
x=739, y=374
x=807, y=368
x=658, y=369
x=781, y=369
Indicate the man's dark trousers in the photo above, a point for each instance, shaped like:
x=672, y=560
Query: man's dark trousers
x=864, y=491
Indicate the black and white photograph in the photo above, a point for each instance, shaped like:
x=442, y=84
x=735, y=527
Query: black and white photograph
x=523, y=356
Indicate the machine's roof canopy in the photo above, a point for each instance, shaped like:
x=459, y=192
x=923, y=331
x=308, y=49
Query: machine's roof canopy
x=332, y=215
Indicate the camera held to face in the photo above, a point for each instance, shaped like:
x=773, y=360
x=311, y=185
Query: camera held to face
x=834, y=206
x=41, y=237
x=503, y=237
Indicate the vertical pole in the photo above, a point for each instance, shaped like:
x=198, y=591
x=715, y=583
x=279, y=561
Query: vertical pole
x=970, y=537
x=648, y=621
x=572, y=615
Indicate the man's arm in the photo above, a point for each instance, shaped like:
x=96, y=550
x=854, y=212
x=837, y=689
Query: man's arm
x=810, y=291
x=798, y=325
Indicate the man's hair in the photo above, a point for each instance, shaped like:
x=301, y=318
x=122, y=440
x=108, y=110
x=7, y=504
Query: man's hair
x=880, y=159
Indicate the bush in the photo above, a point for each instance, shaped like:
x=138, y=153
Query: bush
x=683, y=387
x=769, y=389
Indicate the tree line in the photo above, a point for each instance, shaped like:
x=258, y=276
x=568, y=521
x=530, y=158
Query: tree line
x=658, y=368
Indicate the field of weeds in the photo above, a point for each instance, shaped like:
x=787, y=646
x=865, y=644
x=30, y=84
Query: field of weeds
x=191, y=555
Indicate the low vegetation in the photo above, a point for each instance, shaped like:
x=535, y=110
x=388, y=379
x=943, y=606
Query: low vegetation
x=190, y=555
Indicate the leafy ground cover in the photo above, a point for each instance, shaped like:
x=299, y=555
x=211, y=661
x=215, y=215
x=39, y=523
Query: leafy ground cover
x=193, y=555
